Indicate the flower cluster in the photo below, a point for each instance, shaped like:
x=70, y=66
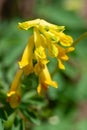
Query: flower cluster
x=47, y=39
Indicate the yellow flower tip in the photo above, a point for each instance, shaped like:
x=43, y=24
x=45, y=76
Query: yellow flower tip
x=70, y=49
x=13, y=99
x=65, y=40
x=61, y=28
x=28, y=24
x=22, y=64
x=23, y=25
x=61, y=65
x=42, y=88
x=10, y=93
x=55, y=85
x=14, y=94
x=65, y=57
x=52, y=83
x=39, y=89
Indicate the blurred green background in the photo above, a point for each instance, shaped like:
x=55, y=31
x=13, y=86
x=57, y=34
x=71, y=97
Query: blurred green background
x=64, y=108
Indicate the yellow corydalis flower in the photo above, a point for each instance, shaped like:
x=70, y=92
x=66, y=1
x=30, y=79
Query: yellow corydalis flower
x=45, y=81
x=47, y=39
x=28, y=24
x=26, y=63
x=40, y=56
x=65, y=40
x=14, y=94
x=62, y=56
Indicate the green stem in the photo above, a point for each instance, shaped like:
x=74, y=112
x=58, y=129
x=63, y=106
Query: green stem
x=84, y=35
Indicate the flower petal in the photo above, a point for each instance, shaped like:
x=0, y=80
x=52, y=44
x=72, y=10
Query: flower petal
x=53, y=50
x=45, y=78
x=65, y=40
x=42, y=88
x=26, y=62
x=14, y=94
x=28, y=24
x=61, y=65
x=51, y=26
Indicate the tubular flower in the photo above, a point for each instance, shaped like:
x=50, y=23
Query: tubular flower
x=45, y=81
x=40, y=51
x=14, y=94
x=40, y=56
x=65, y=40
x=26, y=63
x=62, y=56
x=47, y=39
x=28, y=24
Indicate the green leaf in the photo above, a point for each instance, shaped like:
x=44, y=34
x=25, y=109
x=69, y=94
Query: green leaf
x=9, y=122
x=18, y=124
x=28, y=95
x=22, y=125
x=32, y=117
x=16, y=127
x=1, y=125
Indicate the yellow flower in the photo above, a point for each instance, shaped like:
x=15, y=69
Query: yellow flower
x=41, y=62
x=28, y=24
x=38, y=23
x=48, y=26
x=49, y=37
x=61, y=65
x=14, y=94
x=26, y=63
x=53, y=50
x=65, y=40
x=45, y=81
x=40, y=50
x=39, y=38
x=62, y=55
x=49, y=42
x=46, y=39
x=40, y=56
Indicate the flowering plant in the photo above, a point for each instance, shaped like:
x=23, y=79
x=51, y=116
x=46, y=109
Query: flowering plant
x=28, y=98
x=47, y=39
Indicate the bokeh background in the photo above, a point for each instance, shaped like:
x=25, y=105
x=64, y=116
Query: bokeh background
x=64, y=108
